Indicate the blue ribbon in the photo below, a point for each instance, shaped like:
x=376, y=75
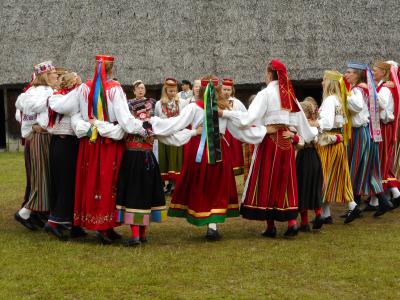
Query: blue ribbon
x=200, y=150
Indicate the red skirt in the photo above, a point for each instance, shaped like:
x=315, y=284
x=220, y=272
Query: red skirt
x=386, y=156
x=96, y=180
x=271, y=189
x=205, y=193
x=236, y=153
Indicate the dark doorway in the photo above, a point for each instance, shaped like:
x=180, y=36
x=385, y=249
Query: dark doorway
x=2, y=120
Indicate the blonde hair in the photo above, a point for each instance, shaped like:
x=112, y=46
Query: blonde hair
x=68, y=80
x=164, y=97
x=385, y=67
x=41, y=79
x=108, y=65
x=331, y=87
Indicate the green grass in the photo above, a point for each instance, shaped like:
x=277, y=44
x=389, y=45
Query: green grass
x=359, y=260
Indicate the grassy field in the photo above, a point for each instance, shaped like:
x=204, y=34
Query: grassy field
x=359, y=260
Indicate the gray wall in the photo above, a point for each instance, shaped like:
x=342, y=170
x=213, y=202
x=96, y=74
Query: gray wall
x=186, y=39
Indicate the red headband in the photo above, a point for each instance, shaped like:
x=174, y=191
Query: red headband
x=105, y=58
x=204, y=82
x=227, y=82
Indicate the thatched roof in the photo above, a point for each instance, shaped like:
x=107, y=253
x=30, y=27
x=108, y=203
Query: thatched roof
x=155, y=39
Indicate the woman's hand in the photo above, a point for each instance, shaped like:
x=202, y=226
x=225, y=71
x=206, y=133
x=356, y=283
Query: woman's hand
x=287, y=134
x=363, y=85
x=271, y=129
x=199, y=130
x=389, y=84
x=36, y=128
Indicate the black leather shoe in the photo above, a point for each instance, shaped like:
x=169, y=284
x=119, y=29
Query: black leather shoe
x=55, y=231
x=132, y=242
x=369, y=207
x=384, y=207
x=77, y=232
x=318, y=222
x=113, y=235
x=143, y=239
x=27, y=223
x=103, y=239
x=270, y=233
x=37, y=220
x=213, y=235
x=352, y=215
x=305, y=228
x=328, y=220
x=292, y=231
x=395, y=202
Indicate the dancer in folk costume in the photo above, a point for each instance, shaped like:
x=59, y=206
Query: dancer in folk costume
x=140, y=195
x=309, y=175
x=102, y=122
x=206, y=193
x=63, y=155
x=32, y=103
x=228, y=93
x=388, y=98
x=334, y=135
x=169, y=157
x=271, y=189
x=363, y=149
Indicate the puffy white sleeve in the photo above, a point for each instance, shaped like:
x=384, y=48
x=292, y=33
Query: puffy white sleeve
x=124, y=117
x=386, y=105
x=327, y=113
x=109, y=130
x=43, y=119
x=80, y=126
x=157, y=109
x=164, y=127
x=255, y=112
x=238, y=105
x=36, y=99
x=65, y=104
x=251, y=135
x=355, y=101
x=19, y=104
x=18, y=116
x=179, y=138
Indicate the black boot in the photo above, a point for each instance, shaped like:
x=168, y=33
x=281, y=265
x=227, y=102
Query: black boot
x=271, y=233
x=396, y=202
x=55, y=231
x=292, y=231
x=37, y=220
x=132, y=242
x=384, y=205
x=77, y=232
x=103, y=238
x=113, y=235
x=352, y=215
x=27, y=223
x=318, y=222
x=213, y=235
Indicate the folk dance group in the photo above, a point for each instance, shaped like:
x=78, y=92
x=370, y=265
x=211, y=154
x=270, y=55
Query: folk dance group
x=90, y=162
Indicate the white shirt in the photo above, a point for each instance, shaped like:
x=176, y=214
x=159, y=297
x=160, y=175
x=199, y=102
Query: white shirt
x=386, y=104
x=358, y=106
x=328, y=118
x=33, y=104
x=158, y=108
x=266, y=110
x=185, y=95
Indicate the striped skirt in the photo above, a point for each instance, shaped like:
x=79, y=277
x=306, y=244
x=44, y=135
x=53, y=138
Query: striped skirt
x=365, y=170
x=335, y=169
x=39, y=199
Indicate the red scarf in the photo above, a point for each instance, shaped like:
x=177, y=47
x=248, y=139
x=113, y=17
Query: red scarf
x=52, y=114
x=286, y=92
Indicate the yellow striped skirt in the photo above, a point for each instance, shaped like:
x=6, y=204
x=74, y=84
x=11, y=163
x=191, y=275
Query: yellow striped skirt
x=335, y=168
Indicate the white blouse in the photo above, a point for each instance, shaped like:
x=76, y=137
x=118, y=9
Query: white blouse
x=266, y=110
x=33, y=104
x=358, y=106
x=328, y=118
x=386, y=104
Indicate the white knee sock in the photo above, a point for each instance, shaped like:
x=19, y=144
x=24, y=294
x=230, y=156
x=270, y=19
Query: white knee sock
x=326, y=210
x=395, y=192
x=24, y=213
x=374, y=201
x=352, y=205
x=212, y=226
